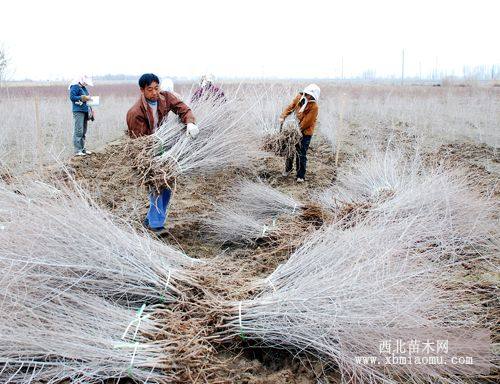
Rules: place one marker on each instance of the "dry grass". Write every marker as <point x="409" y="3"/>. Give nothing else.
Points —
<point x="27" y="143"/>
<point x="429" y="114"/>
<point x="354" y="265"/>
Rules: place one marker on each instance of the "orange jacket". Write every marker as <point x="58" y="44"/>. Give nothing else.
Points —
<point x="140" y="116"/>
<point x="307" y="118"/>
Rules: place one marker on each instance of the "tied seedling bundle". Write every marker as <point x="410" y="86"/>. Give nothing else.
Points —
<point x="284" y="142"/>
<point x="250" y="212"/>
<point x="442" y="203"/>
<point x="256" y="211"/>
<point x="72" y="242"/>
<point x="344" y="290"/>
<point x="226" y="139"/>
<point x="51" y="334"/>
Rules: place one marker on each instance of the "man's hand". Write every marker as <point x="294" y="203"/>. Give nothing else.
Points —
<point x="192" y="130"/>
<point x="85" y="98"/>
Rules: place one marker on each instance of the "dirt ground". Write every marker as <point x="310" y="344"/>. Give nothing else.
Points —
<point x="109" y="176"/>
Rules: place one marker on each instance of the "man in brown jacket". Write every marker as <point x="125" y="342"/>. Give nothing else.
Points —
<point x="153" y="106"/>
<point x="143" y="118"/>
<point x="305" y="106"/>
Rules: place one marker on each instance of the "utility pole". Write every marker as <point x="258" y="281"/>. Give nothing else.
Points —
<point x="436" y="68"/>
<point x="342" y="67"/>
<point x="402" y="67"/>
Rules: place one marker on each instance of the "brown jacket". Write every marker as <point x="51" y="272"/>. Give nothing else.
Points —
<point x="140" y="118"/>
<point x="307" y="118"/>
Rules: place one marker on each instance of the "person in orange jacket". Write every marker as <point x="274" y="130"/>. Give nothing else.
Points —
<point x="305" y="106"/>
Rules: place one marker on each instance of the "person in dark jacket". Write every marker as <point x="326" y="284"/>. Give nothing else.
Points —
<point x="143" y="118"/>
<point x="82" y="113"/>
<point x="208" y="91"/>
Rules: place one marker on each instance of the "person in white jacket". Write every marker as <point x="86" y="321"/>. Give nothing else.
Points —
<point x="167" y="85"/>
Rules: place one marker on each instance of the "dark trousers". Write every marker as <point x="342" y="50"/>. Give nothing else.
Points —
<point x="300" y="158"/>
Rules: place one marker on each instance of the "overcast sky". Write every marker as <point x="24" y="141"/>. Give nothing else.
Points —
<point x="56" y="39"/>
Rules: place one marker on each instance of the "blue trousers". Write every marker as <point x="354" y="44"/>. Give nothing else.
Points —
<point x="158" y="205"/>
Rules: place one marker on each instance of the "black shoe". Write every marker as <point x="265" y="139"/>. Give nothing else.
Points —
<point x="158" y="230"/>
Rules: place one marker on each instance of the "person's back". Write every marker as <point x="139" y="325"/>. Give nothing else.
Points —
<point x="167" y="85"/>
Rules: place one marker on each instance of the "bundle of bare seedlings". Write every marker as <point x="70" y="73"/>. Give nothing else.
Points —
<point x="345" y="291"/>
<point x="372" y="178"/>
<point x="51" y="335"/>
<point x="225" y="139"/>
<point x="233" y="223"/>
<point x="284" y="142"/>
<point x="254" y="211"/>
<point x="262" y="200"/>
<point x="393" y="187"/>
<point x="57" y="233"/>
<point x="143" y="152"/>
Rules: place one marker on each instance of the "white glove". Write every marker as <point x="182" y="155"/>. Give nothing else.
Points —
<point x="192" y="130"/>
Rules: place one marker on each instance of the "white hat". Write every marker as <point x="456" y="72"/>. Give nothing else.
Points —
<point x="167" y="84"/>
<point x="86" y="80"/>
<point x="313" y="90"/>
<point x="207" y="78"/>
<point x="82" y="79"/>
